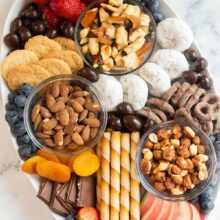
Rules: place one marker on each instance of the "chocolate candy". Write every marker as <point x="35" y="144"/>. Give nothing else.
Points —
<point x="24" y="34"/>
<point x="32" y="13"/>
<point x="38" y="27"/>
<point x="27" y="7"/>
<point x="201" y="64"/>
<point x="68" y="29"/>
<point x="12" y="40"/>
<point x="149" y="124"/>
<point x="132" y="123"/>
<point x="116" y="124"/>
<point x="51" y="33"/>
<point x="205" y="82"/>
<point x="16" y="24"/>
<point x="190" y="55"/>
<point x="190" y="76"/>
<point x="89" y="74"/>
<point x="125" y="109"/>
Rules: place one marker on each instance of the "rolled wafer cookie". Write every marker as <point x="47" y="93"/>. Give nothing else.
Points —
<point x="105" y="173"/>
<point x="115" y="175"/>
<point x="135" y="184"/>
<point x="98" y="176"/>
<point x="125" y="177"/>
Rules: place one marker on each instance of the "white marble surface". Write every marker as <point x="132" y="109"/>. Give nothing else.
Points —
<point x="17" y="197"/>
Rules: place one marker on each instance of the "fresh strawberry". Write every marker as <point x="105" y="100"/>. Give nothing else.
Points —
<point x="69" y="9"/>
<point x="88" y="213"/>
<point x="41" y="2"/>
<point x="50" y="17"/>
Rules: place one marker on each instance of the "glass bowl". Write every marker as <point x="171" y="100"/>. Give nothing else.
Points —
<point x="189" y="194"/>
<point x="41" y="90"/>
<point x="146" y="55"/>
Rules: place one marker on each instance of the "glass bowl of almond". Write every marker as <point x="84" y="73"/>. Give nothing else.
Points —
<point x="115" y="36"/>
<point x="65" y="114"/>
<point x="175" y="160"/>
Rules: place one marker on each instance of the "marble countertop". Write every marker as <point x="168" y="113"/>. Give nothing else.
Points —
<point x="18" y="200"/>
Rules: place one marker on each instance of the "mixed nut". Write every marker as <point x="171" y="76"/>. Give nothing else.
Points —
<point x="66" y="117"/>
<point x="174" y="159"/>
<point x="114" y="35"/>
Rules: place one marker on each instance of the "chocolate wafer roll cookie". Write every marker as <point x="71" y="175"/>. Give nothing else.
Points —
<point x="135" y="184"/>
<point x="115" y="175"/>
<point x="105" y="175"/>
<point x="98" y="176"/>
<point x="125" y="177"/>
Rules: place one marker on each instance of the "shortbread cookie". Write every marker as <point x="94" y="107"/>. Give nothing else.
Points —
<point x="31" y="74"/>
<point x="174" y="33"/>
<point x="42" y="45"/>
<point x="72" y="58"/>
<point x="66" y="43"/>
<point x="55" y="66"/>
<point x="16" y="58"/>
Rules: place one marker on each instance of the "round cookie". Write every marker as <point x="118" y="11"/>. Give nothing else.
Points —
<point x="66" y="43"/>
<point x="16" y="58"/>
<point x="72" y="58"/>
<point x="174" y="33"/>
<point x="31" y="74"/>
<point x="172" y="61"/>
<point x="55" y="66"/>
<point x="157" y="79"/>
<point x="42" y="45"/>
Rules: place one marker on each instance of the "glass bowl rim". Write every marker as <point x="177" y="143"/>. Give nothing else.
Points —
<point x="98" y="70"/>
<point x="47" y="82"/>
<point x="150" y="188"/>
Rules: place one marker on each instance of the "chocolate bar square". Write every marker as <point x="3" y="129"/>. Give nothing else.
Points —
<point x="72" y="190"/>
<point x="45" y="191"/>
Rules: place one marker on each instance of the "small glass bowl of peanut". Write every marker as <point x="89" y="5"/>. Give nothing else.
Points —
<point x="175" y="160"/>
<point x="115" y="36"/>
<point x="65" y="114"/>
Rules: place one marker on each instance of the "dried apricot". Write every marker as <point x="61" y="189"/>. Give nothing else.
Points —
<point x="86" y="164"/>
<point x="64" y="160"/>
<point x="48" y="155"/>
<point x="54" y="171"/>
<point x="29" y="166"/>
<point x="70" y="164"/>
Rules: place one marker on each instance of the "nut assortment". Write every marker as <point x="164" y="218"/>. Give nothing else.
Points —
<point x="115" y="35"/>
<point x="174" y="159"/>
<point x="66" y="117"/>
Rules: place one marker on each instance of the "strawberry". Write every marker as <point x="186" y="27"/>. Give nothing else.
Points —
<point x="88" y="213"/>
<point x="69" y="9"/>
<point x="50" y="17"/>
<point x="41" y="2"/>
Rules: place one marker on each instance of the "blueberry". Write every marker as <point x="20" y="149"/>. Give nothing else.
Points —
<point x="158" y="17"/>
<point x="20" y="100"/>
<point x="11" y="117"/>
<point x="34" y="148"/>
<point x="25" y="90"/>
<point x="217" y="136"/>
<point x="195" y="200"/>
<point x="12" y="96"/>
<point x="214" y="180"/>
<point x="25" y="139"/>
<point x="70" y="217"/>
<point x="207" y="206"/>
<point x="212" y="138"/>
<point x="19" y="129"/>
<point x="21" y="115"/>
<point x="10" y="106"/>
<point x="25" y="152"/>
<point x="206" y="194"/>
<point x="153" y="7"/>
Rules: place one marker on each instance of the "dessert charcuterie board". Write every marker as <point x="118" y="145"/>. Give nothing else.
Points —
<point x="120" y="144"/>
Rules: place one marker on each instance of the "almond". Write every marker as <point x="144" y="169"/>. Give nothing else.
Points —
<point x="80" y="94"/>
<point x="91" y="115"/>
<point x="64" y="90"/>
<point x="92" y="122"/>
<point x="70" y="128"/>
<point x="67" y="139"/>
<point x="63" y="99"/>
<point x="93" y="107"/>
<point x="49" y="124"/>
<point x="42" y="135"/>
<point x="59" y="127"/>
<point x="93" y="132"/>
<point x="49" y="142"/>
<point x="50" y="132"/>
<point x="58" y="138"/>
<point x="64" y="117"/>
<point x="40" y="126"/>
<point x="37" y="121"/>
<point x="55" y="90"/>
<point x="79" y="128"/>
<point x="57" y="107"/>
<point x="77" y="88"/>
<point x="35" y="112"/>
<point x="77" y="139"/>
<point x="83" y="115"/>
<point x="72" y="146"/>
<point x="45" y="112"/>
<point x="70" y="89"/>
<point x="80" y="100"/>
<point x="73" y="115"/>
<point x="86" y="134"/>
<point x="50" y="100"/>
<point x="88" y="100"/>
<point x="77" y="107"/>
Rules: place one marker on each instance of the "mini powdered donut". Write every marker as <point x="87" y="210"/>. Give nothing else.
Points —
<point x="174" y="33"/>
<point x="111" y="91"/>
<point x="172" y="61"/>
<point x="135" y="90"/>
<point x="157" y="79"/>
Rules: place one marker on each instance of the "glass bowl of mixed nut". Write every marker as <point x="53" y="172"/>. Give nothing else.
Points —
<point x="115" y="36"/>
<point x="65" y="114"/>
<point x="175" y="160"/>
